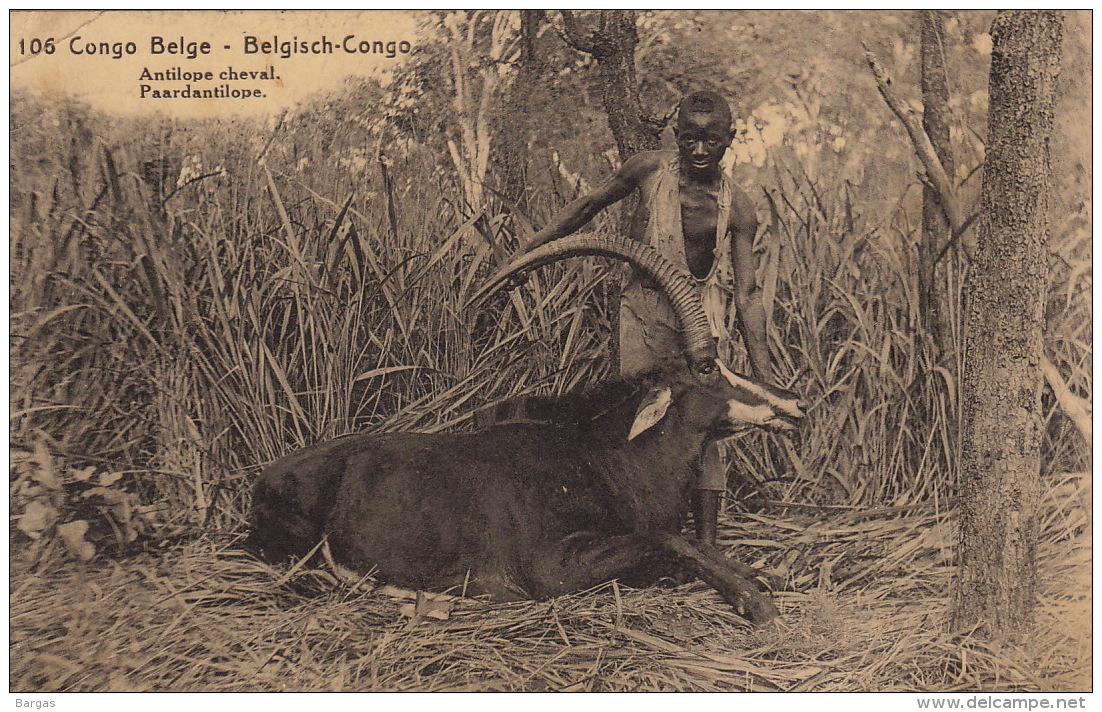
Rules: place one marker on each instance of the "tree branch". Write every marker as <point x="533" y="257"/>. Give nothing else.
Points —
<point x="968" y="246"/>
<point x="935" y="172"/>
<point x="1074" y="407"/>
<point x="572" y="34"/>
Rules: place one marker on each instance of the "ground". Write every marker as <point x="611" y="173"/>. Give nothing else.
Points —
<point x="869" y="611"/>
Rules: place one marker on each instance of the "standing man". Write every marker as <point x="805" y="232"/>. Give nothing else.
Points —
<point x="692" y="213"/>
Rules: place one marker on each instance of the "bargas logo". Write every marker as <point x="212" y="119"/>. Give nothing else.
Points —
<point x="34" y="704"/>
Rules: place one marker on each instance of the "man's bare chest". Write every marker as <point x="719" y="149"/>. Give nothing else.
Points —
<point x="698" y="207"/>
<point x="699" y="213"/>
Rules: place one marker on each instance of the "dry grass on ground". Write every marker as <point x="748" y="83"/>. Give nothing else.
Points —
<point x="870" y="614"/>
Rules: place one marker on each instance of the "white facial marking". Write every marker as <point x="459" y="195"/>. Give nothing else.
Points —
<point x="788" y="406"/>
<point x="739" y="412"/>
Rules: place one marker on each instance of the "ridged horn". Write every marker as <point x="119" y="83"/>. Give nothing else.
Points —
<point x="674" y="281"/>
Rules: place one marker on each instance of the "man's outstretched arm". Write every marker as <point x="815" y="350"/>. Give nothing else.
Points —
<point x="579" y="212"/>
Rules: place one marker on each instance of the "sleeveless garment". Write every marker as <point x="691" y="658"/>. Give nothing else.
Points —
<point x="648" y="328"/>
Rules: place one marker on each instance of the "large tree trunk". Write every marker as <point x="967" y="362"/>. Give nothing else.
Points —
<point x="935" y="121"/>
<point x="612" y="44"/>
<point x="1001" y="437"/>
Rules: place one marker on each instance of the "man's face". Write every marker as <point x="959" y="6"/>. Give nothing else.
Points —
<point x="701" y="140"/>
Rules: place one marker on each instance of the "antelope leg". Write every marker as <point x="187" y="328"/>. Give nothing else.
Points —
<point x="748" y="602"/>
<point x="765" y="581"/>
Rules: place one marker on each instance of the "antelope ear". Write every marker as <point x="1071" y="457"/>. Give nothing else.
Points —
<point x="651" y="410"/>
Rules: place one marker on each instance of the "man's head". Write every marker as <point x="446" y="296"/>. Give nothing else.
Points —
<point x="703" y="131"/>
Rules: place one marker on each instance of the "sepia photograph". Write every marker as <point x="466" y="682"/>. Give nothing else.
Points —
<point x="532" y="351"/>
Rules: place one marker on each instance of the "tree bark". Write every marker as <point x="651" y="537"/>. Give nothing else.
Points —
<point x="1002" y="425"/>
<point x="935" y="121"/>
<point x="613" y="46"/>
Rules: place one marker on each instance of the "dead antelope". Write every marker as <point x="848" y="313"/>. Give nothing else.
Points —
<point x="593" y="487"/>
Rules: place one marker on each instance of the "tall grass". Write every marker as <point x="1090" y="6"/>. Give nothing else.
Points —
<point x="184" y="328"/>
<point x="186" y="342"/>
<point x="845" y="328"/>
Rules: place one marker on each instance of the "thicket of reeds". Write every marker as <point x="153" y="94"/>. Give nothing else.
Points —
<point x="184" y="311"/>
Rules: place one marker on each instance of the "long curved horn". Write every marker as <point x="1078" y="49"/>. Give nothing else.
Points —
<point x="674" y="281"/>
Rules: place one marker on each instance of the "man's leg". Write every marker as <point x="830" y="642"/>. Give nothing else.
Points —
<point x="711" y="482"/>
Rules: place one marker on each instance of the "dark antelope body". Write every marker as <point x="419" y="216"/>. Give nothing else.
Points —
<point x="593" y="488"/>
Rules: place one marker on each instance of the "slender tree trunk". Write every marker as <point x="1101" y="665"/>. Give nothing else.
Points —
<point x="935" y="121"/>
<point x="1001" y="435"/>
<point x="515" y="131"/>
<point x="476" y="98"/>
<point x="620" y="89"/>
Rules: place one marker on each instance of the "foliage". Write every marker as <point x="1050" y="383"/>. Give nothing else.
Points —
<point x="84" y="509"/>
<point x="193" y="338"/>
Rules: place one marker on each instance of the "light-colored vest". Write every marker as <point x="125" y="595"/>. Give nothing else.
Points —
<point x="648" y="329"/>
